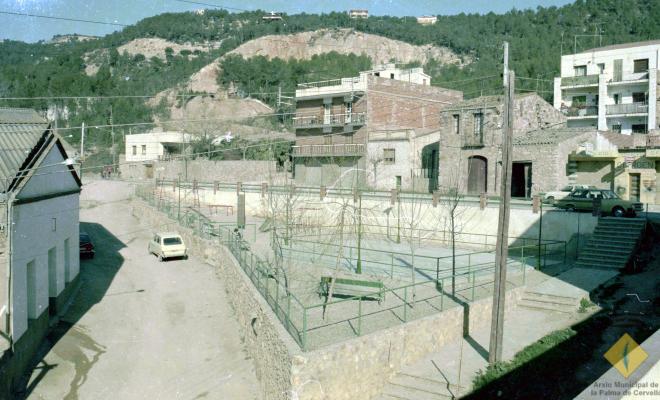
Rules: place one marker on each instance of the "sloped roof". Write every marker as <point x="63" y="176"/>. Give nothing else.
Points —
<point x="550" y="136"/>
<point x="21" y="130"/>
<point x="485" y="101"/>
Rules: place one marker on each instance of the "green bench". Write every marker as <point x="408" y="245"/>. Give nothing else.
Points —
<point x="374" y="290"/>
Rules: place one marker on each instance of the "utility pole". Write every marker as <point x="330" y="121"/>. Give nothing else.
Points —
<point x="506" y="64"/>
<point x="502" y="247"/>
<point x="359" y="235"/>
<point x="112" y="133"/>
<point x="82" y="147"/>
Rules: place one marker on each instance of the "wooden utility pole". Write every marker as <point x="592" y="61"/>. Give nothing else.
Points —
<point x="502" y="247"/>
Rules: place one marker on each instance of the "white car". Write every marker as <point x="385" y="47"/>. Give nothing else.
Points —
<point x="168" y="245"/>
<point x="555" y="195"/>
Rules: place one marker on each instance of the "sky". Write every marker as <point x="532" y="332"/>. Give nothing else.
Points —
<point x="32" y="29"/>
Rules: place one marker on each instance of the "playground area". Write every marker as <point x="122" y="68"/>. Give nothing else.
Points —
<point x="329" y="283"/>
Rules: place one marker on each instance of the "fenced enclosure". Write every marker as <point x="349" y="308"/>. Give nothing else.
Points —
<point x="412" y="285"/>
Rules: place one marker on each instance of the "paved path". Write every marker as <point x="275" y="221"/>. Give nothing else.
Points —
<point x="139" y="328"/>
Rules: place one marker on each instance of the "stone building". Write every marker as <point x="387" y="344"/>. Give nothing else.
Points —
<point x="471" y="139"/>
<point x="335" y="119"/>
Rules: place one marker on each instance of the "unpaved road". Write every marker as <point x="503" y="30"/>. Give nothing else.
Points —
<point x="140" y="329"/>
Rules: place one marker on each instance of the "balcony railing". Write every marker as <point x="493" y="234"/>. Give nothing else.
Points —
<point x="631" y="78"/>
<point x="329" y="150"/>
<point x="580" y="80"/>
<point x="653" y="141"/>
<point x="580" y="111"/>
<point x="473" y="140"/>
<point x="313" y="121"/>
<point x="630" y="108"/>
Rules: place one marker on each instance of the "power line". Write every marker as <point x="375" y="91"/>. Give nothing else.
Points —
<point x="62" y="18"/>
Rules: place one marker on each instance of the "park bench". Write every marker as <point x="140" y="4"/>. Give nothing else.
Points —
<point x="374" y="290"/>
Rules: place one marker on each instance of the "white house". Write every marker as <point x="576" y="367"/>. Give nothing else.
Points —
<point x="358" y="13"/>
<point x="427" y="20"/>
<point x="39" y="236"/>
<point x="611" y="88"/>
<point x="154" y="146"/>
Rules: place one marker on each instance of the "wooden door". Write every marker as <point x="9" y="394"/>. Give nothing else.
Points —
<point x="634" y="187"/>
<point x="618" y="71"/>
<point x="477" y="175"/>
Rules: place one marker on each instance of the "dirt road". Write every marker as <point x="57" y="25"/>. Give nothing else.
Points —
<point x="140" y="328"/>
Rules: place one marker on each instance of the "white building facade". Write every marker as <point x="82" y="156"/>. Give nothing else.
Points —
<point x="611" y="88"/>
<point x="154" y="146"/>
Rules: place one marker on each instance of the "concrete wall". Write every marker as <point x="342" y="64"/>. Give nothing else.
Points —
<point x="37" y="228"/>
<point x="207" y="171"/>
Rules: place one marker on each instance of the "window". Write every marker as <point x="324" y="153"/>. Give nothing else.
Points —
<point x="134" y="150"/>
<point x="391" y="76"/>
<point x="168" y="241"/>
<point x="601" y="68"/>
<point x="641" y="65"/>
<point x="617" y="98"/>
<point x="398" y="182"/>
<point x="457" y="123"/>
<point x="579" y="101"/>
<point x="377" y="74"/>
<point x="326" y="114"/>
<point x="580" y="70"/>
<point x="616" y="128"/>
<point x="389" y="156"/>
<point x="478" y="124"/>
<point x="327" y="139"/>
<point x="639" y="97"/>
<point x="639" y="128"/>
<point x="144" y="149"/>
<point x="349" y="112"/>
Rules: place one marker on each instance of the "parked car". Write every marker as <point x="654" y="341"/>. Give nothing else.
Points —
<point x="554" y="195"/>
<point x="611" y="203"/>
<point x="86" y="245"/>
<point x="168" y="245"/>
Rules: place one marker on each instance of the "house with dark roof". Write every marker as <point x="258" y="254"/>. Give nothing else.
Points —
<point x="39" y="235"/>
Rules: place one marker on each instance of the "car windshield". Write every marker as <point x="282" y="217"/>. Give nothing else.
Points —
<point x="171" y="240"/>
<point x="84" y="237"/>
<point x="566" y="189"/>
<point x="608" y="194"/>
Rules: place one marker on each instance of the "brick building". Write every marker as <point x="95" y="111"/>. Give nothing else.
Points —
<point x="334" y="119"/>
<point x="471" y="139"/>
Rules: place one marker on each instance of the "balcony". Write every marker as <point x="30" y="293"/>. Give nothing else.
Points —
<point x="635" y="78"/>
<point x="574" y="81"/>
<point x="580" y="111"/>
<point x="475" y="140"/>
<point x="331" y="87"/>
<point x="329" y="150"/>
<point x="625" y="109"/>
<point x="318" y="121"/>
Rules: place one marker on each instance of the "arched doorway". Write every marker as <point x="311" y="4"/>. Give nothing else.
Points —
<point x="477" y="175"/>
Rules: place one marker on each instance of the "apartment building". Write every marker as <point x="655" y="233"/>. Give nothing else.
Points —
<point x="612" y="88"/>
<point x="334" y="119"/>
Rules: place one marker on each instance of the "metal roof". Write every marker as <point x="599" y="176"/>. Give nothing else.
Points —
<point x="21" y="130"/>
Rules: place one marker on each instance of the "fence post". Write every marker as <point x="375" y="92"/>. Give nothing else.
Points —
<point x="469" y="266"/>
<point x="392" y="265"/>
<point x="288" y="308"/>
<point x="304" y="333"/>
<point x="545" y="255"/>
<point x="359" y="316"/>
<point x="473" y="284"/>
<point x="442" y="294"/>
<point x="405" y="304"/>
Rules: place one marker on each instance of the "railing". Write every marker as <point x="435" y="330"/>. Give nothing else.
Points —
<point x="630" y="108"/>
<point x="349" y="149"/>
<point x="330" y="82"/>
<point x="653" y="141"/>
<point x="631" y="78"/>
<point x="306" y="121"/>
<point x="580" y="80"/>
<point x="580" y="111"/>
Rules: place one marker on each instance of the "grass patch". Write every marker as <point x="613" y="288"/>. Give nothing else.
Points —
<point x="497" y="370"/>
<point x="585" y="304"/>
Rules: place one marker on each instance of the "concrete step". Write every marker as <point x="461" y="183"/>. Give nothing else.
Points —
<point x="402" y="392"/>
<point x="541" y="306"/>
<point x="598" y="265"/>
<point x="547" y="305"/>
<point x="616" y="231"/>
<point x="552" y="298"/>
<point x="611" y="244"/>
<point x="604" y="253"/>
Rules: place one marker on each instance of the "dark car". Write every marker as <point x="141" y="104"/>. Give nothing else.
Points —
<point x="86" y="245"/>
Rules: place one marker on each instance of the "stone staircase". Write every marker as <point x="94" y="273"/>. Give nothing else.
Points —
<point x="405" y="386"/>
<point x="612" y="244"/>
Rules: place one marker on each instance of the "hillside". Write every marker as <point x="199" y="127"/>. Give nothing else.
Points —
<point x="171" y="53"/>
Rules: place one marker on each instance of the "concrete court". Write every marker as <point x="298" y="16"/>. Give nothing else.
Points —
<point x="139" y="328"/>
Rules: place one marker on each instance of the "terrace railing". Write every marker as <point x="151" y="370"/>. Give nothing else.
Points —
<point x="629" y="108"/>
<point x="580" y="80"/>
